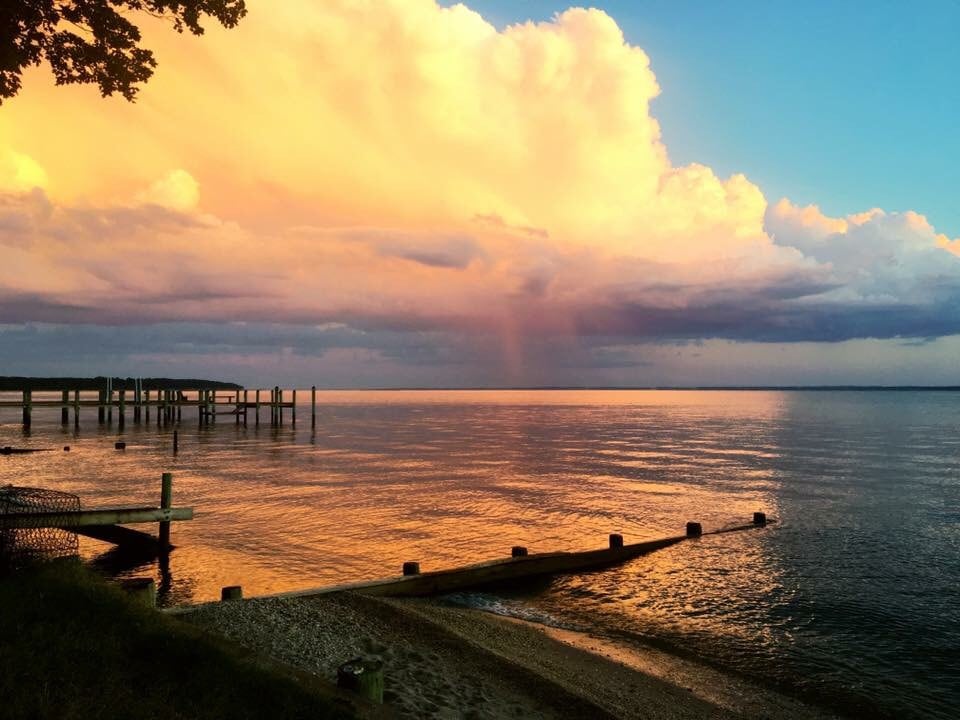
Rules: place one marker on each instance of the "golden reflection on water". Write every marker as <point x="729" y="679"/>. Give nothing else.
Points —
<point x="445" y="477"/>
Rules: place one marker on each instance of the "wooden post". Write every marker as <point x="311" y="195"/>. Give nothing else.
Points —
<point x="245" y="399"/>
<point x="27" y="407"/>
<point x="142" y="590"/>
<point x="518" y="551"/>
<point x="411" y="568"/>
<point x="616" y="540"/>
<point x="759" y="518"/>
<point x="231" y="592"/>
<point x="110" y="399"/>
<point x="363" y="677"/>
<point x="180" y="397"/>
<point x="122" y="407"/>
<point x="694" y="529"/>
<point x="313" y="406"/>
<point x="279" y="399"/>
<point x="257" y="410"/>
<point x="65" y="407"/>
<point x="176" y="443"/>
<point x="101" y="410"/>
<point x="76" y="409"/>
<point x="146" y="406"/>
<point x="166" y="501"/>
<point x="213" y="405"/>
<point x="136" y="400"/>
<point x="293" y="408"/>
<point x="236" y="406"/>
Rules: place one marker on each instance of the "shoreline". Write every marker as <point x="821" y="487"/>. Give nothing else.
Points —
<point x="450" y="662"/>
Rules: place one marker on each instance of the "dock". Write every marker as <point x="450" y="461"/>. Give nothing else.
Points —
<point x="31" y="511"/>
<point x="139" y="398"/>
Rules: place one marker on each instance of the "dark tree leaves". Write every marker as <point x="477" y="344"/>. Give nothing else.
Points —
<point x="92" y="41"/>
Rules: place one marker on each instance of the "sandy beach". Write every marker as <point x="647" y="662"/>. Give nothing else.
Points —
<point x="448" y="662"/>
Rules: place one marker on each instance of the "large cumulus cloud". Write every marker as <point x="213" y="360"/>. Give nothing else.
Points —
<point x="397" y="166"/>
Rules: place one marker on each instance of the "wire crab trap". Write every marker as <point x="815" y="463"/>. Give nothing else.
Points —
<point x="21" y="546"/>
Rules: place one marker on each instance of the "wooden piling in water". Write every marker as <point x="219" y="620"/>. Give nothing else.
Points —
<point x="293" y="407"/>
<point x="65" y="408"/>
<point x="122" y="407"/>
<point x="176" y="442"/>
<point x="27" y="408"/>
<point x="166" y="502"/>
<point x="231" y="592"/>
<point x="257" y="410"/>
<point x="76" y="409"/>
<point x="313" y="406"/>
<point x="101" y="408"/>
<point x="694" y="529"/>
<point x="411" y="567"/>
<point x="109" y="400"/>
<point x="616" y="540"/>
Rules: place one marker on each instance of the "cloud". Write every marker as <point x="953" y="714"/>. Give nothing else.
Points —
<point x="401" y="167"/>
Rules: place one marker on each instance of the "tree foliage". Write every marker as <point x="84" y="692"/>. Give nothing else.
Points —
<point x="93" y="41"/>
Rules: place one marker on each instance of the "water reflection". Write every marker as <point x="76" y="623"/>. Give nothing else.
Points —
<point x="854" y="592"/>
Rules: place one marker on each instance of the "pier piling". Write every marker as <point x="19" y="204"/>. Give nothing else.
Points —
<point x="518" y="551"/>
<point x="166" y="502"/>
<point x="616" y="540"/>
<point x="694" y="529"/>
<point x="27" y="408"/>
<point x="363" y="677"/>
<point x="411" y="568"/>
<point x="65" y="408"/>
<point x="231" y="592"/>
<point x="313" y="406"/>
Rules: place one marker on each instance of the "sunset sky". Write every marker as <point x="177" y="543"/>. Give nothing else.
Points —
<point x="406" y="193"/>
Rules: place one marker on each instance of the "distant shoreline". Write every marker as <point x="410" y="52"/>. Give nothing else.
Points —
<point x="717" y="388"/>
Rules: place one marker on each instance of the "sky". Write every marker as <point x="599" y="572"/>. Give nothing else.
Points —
<point x="381" y="193"/>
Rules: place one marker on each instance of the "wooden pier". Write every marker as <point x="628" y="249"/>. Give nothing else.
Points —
<point x="107" y="523"/>
<point x="165" y="399"/>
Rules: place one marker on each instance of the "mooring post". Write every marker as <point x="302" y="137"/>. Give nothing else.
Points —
<point x="146" y="406"/>
<point x="27" y="407"/>
<point x="236" y="406"/>
<point x="616" y="540"/>
<point x="213" y="405"/>
<point x="180" y="397"/>
<point x="313" y="406"/>
<point x="694" y="529"/>
<point x="411" y="567"/>
<point x="245" y="398"/>
<point x="363" y="677"/>
<point x="759" y="518"/>
<point x="293" y="407"/>
<point x="76" y="409"/>
<point x="256" y="420"/>
<point x="142" y="590"/>
<point x="176" y="443"/>
<point x="65" y="407"/>
<point x="279" y="393"/>
<point x="101" y="399"/>
<point x="231" y="592"/>
<point x="110" y="399"/>
<point x="166" y="502"/>
<point x="518" y="551"/>
<point x="122" y="407"/>
<point x="136" y="400"/>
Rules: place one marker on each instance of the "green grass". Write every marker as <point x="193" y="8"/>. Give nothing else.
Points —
<point x="73" y="646"/>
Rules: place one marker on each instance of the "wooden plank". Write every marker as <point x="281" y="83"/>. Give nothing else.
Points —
<point x="95" y="516"/>
<point x="119" y="535"/>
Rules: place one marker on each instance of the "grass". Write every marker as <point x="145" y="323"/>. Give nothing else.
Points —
<point x="73" y="646"/>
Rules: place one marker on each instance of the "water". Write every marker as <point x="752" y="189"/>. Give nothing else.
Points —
<point x="852" y="598"/>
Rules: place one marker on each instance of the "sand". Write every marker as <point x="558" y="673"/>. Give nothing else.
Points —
<point x="445" y="662"/>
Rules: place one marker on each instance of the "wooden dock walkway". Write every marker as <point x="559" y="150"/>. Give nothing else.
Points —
<point x="165" y="399"/>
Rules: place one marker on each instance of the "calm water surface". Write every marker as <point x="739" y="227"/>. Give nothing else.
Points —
<point x="853" y="598"/>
